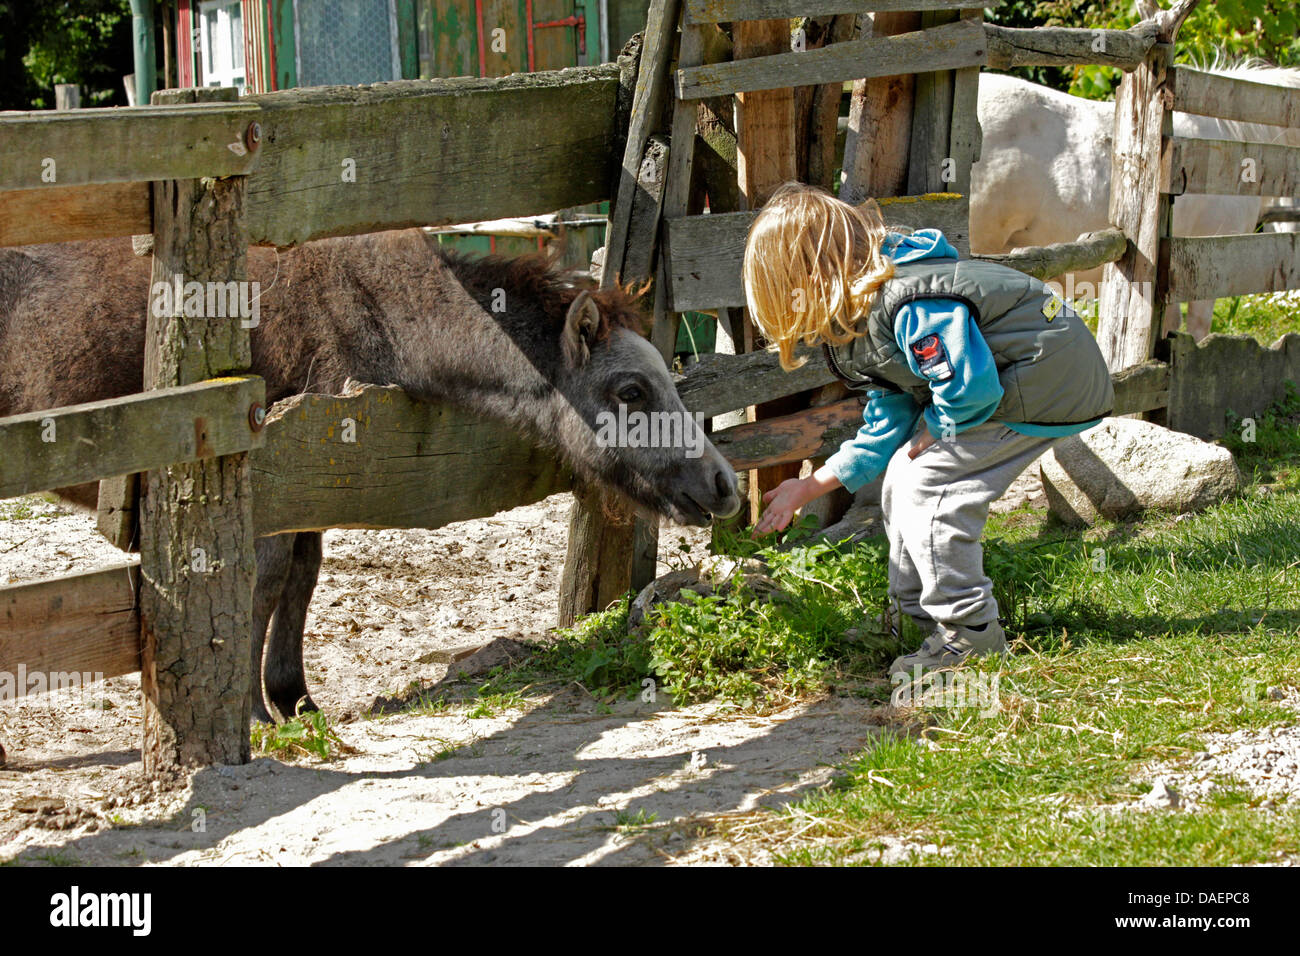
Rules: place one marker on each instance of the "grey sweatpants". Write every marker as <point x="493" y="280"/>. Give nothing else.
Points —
<point x="935" y="507"/>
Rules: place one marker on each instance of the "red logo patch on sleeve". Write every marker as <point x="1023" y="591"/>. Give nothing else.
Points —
<point x="931" y="358"/>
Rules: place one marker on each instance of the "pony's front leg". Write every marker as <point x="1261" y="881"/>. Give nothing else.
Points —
<point x="274" y="556"/>
<point x="286" y="683"/>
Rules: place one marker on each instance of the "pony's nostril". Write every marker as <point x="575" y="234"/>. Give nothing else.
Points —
<point x="724" y="483"/>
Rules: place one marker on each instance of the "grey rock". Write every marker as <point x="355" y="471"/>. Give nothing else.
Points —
<point x="713" y="575"/>
<point x="1124" y="467"/>
<point x="863" y="520"/>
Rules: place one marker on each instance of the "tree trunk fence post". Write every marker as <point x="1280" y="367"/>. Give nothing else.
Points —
<point x="196" y="522"/>
<point x="610" y="549"/>
<point x="1132" y="303"/>
<point x="1131" y="307"/>
<point x="766" y="156"/>
<point x="880" y="122"/>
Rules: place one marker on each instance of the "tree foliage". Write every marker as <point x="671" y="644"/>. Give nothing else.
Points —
<point x="1232" y="29"/>
<point x="87" y="42"/>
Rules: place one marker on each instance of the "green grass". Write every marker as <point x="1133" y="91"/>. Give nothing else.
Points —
<point x="16" y="509"/>
<point x="1267" y="449"/>
<point x="627" y="821"/>
<point x="1265" y="317"/>
<point x="57" y="858"/>
<point x="749" y="650"/>
<point x="1132" y="642"/>
<point x="1037" y="782"/>
<point x="308" y="734"/>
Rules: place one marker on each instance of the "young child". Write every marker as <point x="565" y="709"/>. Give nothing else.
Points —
<point x="979" y="365"/>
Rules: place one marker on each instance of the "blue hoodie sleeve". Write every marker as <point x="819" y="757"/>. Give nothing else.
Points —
<point x="888" y="421"/>
<point x="943" y="345"/>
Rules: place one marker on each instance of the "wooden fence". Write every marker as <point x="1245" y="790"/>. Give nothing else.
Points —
<point x="206" y="176"/>
<point x="1151" y="167"/>
<point x="278" y="157"/>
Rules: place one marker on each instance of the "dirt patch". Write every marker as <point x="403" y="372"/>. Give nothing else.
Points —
<point x="1264" y="762"/>
<point x="1025" y="491"/>
<point x="565" y="780"/>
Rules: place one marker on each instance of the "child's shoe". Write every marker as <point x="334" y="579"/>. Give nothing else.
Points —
<point x="950" y="645"/>
<point x="907" y="629"/>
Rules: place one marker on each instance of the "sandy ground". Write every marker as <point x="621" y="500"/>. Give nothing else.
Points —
<point x="546" y="784"/>
<point x="1265" y="763"/>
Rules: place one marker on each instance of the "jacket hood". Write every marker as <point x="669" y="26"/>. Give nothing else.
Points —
<point x="921" y="244"/>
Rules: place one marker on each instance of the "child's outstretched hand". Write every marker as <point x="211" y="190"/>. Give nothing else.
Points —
<point x="782" y="502"/>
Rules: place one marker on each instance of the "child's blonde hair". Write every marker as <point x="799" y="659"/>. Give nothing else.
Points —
<point x="813" y="267"/>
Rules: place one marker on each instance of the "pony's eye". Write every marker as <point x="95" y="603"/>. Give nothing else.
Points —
<point x="630" y="394"/>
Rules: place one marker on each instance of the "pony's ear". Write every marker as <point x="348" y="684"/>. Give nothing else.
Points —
<point x="580" y="326"/>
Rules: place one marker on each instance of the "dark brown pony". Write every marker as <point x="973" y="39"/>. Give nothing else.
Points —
<point x="514" y="338"/>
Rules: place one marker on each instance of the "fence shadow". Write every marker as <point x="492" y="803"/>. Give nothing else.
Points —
<point x="1269" y="549"/>
<point x="584" y="778"/>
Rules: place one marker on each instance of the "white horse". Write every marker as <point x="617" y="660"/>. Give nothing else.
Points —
<point x="1044" y="172"/>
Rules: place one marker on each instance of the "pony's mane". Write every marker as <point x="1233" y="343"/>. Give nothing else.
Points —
<point x="535" y="277"/>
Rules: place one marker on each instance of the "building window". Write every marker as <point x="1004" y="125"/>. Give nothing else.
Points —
<point x="346" y="44"/>
<point x="221" y="42"/>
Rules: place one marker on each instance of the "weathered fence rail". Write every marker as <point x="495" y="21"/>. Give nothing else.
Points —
<point x="345" y="160"/>
<point x="1234" y="98"/>
<point x="1231" y="168"/>
<point x="947" y="47"/>
<point x="1223" y="373"/>
<point x="130" y="144"/>
<point x="322" y="162"/>
<point x="1212" y="267"/>
<point x="705" y="253"/>
<point x="69" y="213"/>
<point x="397" y="463"/>
<point x="75" y="624"/>
<point x="81" y="443"/>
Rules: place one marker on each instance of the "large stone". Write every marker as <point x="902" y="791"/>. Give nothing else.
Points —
<point x="714" y="575"/>
<point x="1124" y="467"/>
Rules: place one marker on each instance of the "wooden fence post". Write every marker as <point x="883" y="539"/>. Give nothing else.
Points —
<point x="196" y="521"/>
<point x="610" y="552"/>
<point x="67" y="96"/>
<point x="880" y="123"/>
<point x="765" y="158"/>
<point x="1132" y="301"/>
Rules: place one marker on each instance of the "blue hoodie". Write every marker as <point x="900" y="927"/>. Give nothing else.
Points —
<point x="967" y="398"/>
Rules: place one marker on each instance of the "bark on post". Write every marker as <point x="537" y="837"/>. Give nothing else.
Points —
<point x="67" y="96"/>
<point x="1131" y="305"/>
<point x="610" y="550"/>
<point x="876" y="152"/>
<point x="880" y="123"/>
<point x="602" y="544"/>
<point x="196" y="520"/>
<point x="818" y="107"/>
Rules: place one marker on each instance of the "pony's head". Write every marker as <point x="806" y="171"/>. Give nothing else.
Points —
<point x="604" y="398"/>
